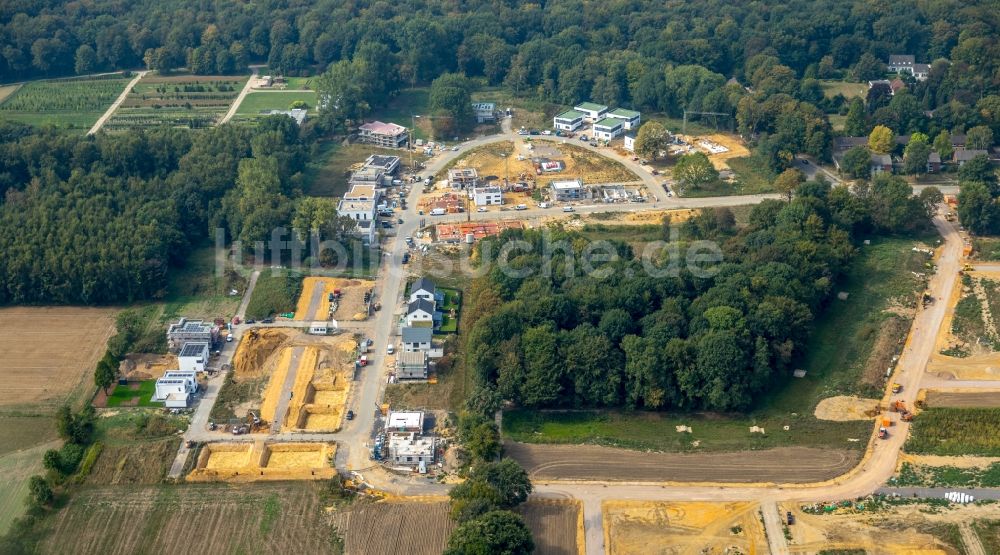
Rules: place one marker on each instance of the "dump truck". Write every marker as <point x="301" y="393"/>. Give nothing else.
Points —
<point x="886" y="422"/>
<point x="906" y="416"/>
<point x="898" y="406"/>
<point x="896" y="388"/>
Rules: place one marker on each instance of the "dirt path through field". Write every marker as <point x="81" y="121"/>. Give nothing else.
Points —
<point x="971" y="540"/>
<point x="239" y="99"/>
<point x="118" y="102"/>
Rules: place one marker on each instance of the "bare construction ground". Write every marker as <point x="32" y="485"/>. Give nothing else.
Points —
<point x="556" y="525"/>
<point x="314" y="304"/>
<point x="641" y="527"/>
<point x="394" y="528"/>
<point x="594" y="462"/>
<point x="49" y="354"/>
<point x="258" y="461"/>
<point x="192" y="518"/>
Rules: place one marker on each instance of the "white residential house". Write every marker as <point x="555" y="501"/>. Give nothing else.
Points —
<point x="404" y="422"/>
<point x="420" y="313"/>
<point x="412" y="450"/>
<point x="629" y="138"/>
<point x="567" y="190"/>
<point x="190" y="331"/>
<point x="463" y="178"/>
<point x="175" y="388"/>
<point x="370" y="175"/>
<point x="365" y="230"/>
<point x="411" y="366"/>
<point x="417" y="339"/>
<point x="484" y="111"/>
<point x="423" y="288"/>
<point x="193" y="357"/>
<point x="363" y="192"/>
<point x="608" y="128"/>
<point x="591" y="111"/>
<point x="570" y="120"/>
<point x="921" y="71"/>
<point x="388" y="164"/>
<point x="899" y="63"/>
<point x="630" y="118"/>
<point x="487" y="196"/>
<point x="387" y="135"/>
<point x="357" y="210"/>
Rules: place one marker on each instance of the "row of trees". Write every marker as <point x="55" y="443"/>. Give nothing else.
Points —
<point x="625" y="338"/>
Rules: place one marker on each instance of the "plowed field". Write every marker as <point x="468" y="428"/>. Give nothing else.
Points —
<point x="408" y="528"/>
<point x="593" y="462"/>
<point x="199" y="518"/>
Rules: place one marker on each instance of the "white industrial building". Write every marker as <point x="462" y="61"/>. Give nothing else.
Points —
<point x="175" y="388"/>
<point x="608" y="128"/>
<point x="591" y="111"/>
<point x="630" y="118"/>
<point x="487" y="196"/>
<point x="193" y="357"/>
<point x="570" y="120"/>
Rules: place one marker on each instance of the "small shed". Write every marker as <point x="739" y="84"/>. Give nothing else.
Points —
<point x="319" y="328"/>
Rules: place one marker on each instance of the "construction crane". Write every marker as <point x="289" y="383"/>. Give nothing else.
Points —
<point x="686" y="112"/>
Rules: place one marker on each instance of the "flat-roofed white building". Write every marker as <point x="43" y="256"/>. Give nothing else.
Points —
<point x="463" y="178"/>
<point x="629" y="139"/>
<point x="487" y="196"/>
<point x="190" y="331"/>
<point x="386" y="163"/>
<point x="570" y="120"/>
<point x="363" y="192"/>
<point x="193" y="357"/>
<point x="412" y="450"/>
<point x="484" y="111"/>
<point x="567" y="190"/>
<point x="357" y="210"/>
<point x="630" y="118"/>
<point x="608" y="128"/>
<point x="404" y="422"/>
<point x="591" y="111"/>
<point x="175" y="388"/>
<point x="370" y="176"/>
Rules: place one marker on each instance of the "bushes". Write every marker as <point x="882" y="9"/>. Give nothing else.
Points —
<point x="953" y="431"/>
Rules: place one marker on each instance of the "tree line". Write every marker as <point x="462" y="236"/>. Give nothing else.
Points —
<point x="625" y="339"/>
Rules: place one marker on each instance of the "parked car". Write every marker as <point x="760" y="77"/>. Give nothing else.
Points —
<point x="399" y="221"/>
<point x="267" y="321"/>
<point x="390" y="349"/>
<point x="350" y="415"/>
<point x="250" y="321"/>
<point x="406" y="258"/>
<point x="480" y="209"/>
<point x="567" y="208"/>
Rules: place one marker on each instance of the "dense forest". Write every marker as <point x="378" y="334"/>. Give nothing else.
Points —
<point x="617" y="337"/>
<point x="101" y="219"/>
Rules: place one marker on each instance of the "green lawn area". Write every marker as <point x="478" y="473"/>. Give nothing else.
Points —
<point x="751" y="179"/>
<point x="452" y="301"/>
<point x="837" y="122"/>
<point x="409" y="102"/>
<point x="256" y="102"/>
<point x="71" y="104"/>
<point x="954" y="431"/>
<point x="125" y="396"/>
<point x="276" y="292"/>
<point x="17" y="468"/>
<point x="298" y="83"/>
<point x="836" y="356"/>
<point x="832" y="88"/>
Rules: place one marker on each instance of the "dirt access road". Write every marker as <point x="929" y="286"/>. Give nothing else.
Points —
<point x="118" y="102"/>
<point x="243" y="94"/>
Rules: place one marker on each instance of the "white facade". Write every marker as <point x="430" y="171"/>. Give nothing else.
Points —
<point x="487" y="196"/>
<point x="608" y="128"/>
<point x="630" y="118"/>
<point x="357" y="210"/>
<point x="591" y="111"/>
<point x="411" y="449"/>
<point x="404" y="422"/>
<point x="419" y="316"/>
<point x="463" y="178"/>
<point x="319" y="328"/>
<point x="175" y="388"/>
<point x="484" y="111"/>
<point x="567" y="190"/>
<point x="193" y="357"/>
<point x="568" y="121"/>
<point x="629" y="139"/>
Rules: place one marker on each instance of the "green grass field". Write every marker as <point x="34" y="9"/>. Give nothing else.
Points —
<point x="989" y="534"/>
<point x="836" y="356"/>
<point x="947" y="476"/>
<point x="327" y="173"/>
<point x="125" y="396"/>
<point x="16" y="468"/>
<point x="276" y="292"/>
<point x="191" y="101"/>
<point x="953" y="431"/>
<point x="72" y="104"/>
<point x="751" y="179"/>
<point x="409" y="102"/>
<point x="986" y="248"/>
<point x="256" y="102"/>
<point x="832" y="88"/>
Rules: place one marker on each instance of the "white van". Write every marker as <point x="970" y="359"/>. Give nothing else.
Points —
<point x="543" y="205"/>
<point x="521" y="207"/>
<point x="438" y="212"/>
<point x="567" y="208"/>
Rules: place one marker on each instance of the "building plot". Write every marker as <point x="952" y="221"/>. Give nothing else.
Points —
<point x="327" y="298"/>
<point x="260" y="461"/>
<point x="694" y="527"/>
<point x="968" y="344"/>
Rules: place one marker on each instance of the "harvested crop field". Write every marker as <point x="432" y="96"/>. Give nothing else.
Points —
<point x="50" y="353"/>
<point x="594" y="462"/>
<point x="637" y="526"/>
<point x="556" y="525"/>
<point x="390" y="528"/>
<point x="193" y="518"/>
<point x="137" y="463"/>
<point x="962" y="399"/>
